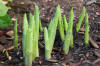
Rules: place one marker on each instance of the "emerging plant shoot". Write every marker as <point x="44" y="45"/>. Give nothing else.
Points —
<point x="49" y="35"/>
<point x="30" y="37"/>
<point x="15" y="36"/>
<point x="69" y="36"/>
<point x="80" y="19"/>
<point x="86" y="30"/>
<point x="61" y="26"/>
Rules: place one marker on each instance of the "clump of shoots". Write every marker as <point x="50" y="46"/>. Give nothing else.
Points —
<point x="80" y="19"/>
<point x="69" y="36"/>
<point x="86" y="30"/>
<point x="30" y="37"/>
<point x="50" y="33"/>
<point x="27" y="42"/>
<point x="15" y="36"/>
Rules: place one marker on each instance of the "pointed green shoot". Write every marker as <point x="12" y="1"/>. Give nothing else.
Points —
<point x="69" y="39"/>
<point x="29" y="45"/>
<point x="15" y="36"/>
<point x="70" y="25"/>
<point x="36" y="32"/>
<point x="25" y="27"/>
<point x="81" y="19"/>
<point x="61" y="26"/>
<point x="28" y="39"/>
<point x="41" y="29"/>
<point x="86" y="30"/>
<point x="49" y="35"/>
<point x="65" y="23"/>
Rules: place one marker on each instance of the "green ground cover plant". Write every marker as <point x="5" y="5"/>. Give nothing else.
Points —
<point x="5" y="20"/>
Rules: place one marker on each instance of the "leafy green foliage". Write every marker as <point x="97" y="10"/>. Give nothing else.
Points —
<point x="86" y="30"/>
<point x="49" y="35"/>
<point x="80" y="19"/>
<point x="5" y="21"/>
<point x="3" y="9"/>
<point x="15" y="35"/>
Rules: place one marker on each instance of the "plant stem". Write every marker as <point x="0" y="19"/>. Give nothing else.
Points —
<point x="86" y="30"/>
<point x="15" y="36"/>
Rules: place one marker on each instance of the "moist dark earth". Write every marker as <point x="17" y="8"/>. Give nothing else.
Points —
<point x="79" y="55"/>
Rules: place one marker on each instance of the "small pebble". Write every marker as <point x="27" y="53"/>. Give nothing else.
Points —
<point x="10" y="33"/>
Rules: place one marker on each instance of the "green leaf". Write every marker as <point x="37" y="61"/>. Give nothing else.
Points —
<point x="5" y="21"/>
<point x="3" y="9"/>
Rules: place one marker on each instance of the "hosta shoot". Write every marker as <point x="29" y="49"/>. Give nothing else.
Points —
<point x="69" y="36"/>
<point x="25" y="27"/>
<point x="15" y="35"/>
<point x="27" y="41"/>
<point x="86" y="30"/>
<point x="81" y="19"/>
<point x="50" y="33"/>
<point x="30" y="37"/>
<point x="36" y="31"/>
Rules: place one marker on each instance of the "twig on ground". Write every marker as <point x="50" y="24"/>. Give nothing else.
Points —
<point x="9" y="48"/>
<point x="94" y="44"/>
<point x="96" y="61"/>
